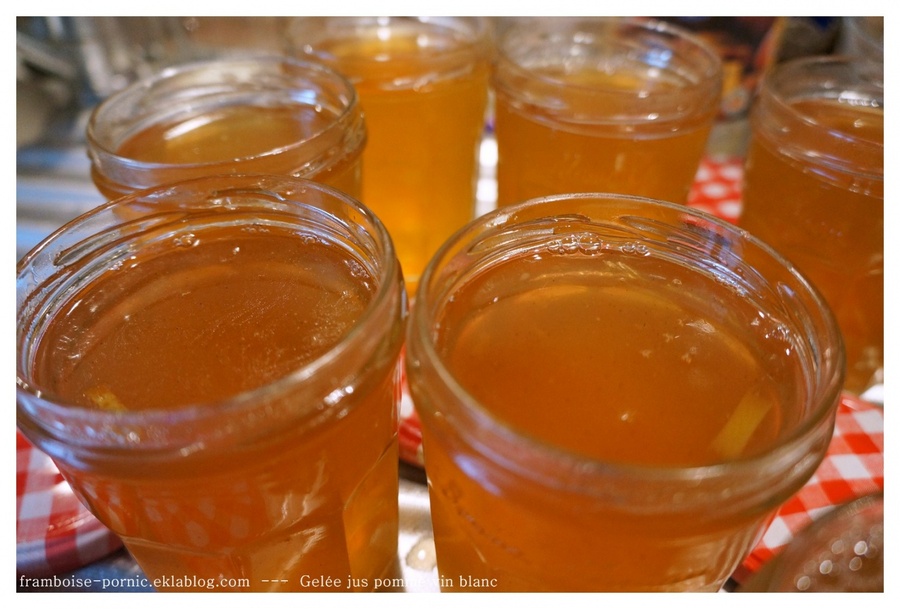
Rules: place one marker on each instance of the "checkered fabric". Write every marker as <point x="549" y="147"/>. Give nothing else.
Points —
<point x="54" y="532"/>
<point x="717" y="187"/>
<point x="853" y="467"/>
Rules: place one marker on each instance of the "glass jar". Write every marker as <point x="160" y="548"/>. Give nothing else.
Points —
<point x="263" y="115"/>
<point x="602" y="104"/>
<point x="841" y="551"/>
<point x="615" y="394"/>
<point x="814" y="190"/>
<point x="423" y="85"/>
<point x="212" y="365"/>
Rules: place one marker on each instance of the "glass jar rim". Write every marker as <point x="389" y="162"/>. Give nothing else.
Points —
<point x="474" y="37"/>
<point x="218" y="186"/>
<point x="476" y="28"/>
<point x="710" y="72"/>
<point x="836" y="153"/>
<point x="863" y="72"/>
<point x="699" y="99"/>
<point x="98" y="145"/>
<point x="820" y="417"/>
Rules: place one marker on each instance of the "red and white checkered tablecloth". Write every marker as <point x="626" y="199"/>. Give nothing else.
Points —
<point x="55" y="533"/>
<point x="717" y="187"/>
<point x="853" y="467"/>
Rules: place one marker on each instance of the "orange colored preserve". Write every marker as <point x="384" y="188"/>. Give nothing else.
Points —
<point x="600" y="409"/>
<point x="602" y="106"/>
<point x="542" y="152"/>
<point x="264" y="116"/>
<point x="207" y="316"/>
<point x="225" y="136"/>
<point x="540" y="354"/>
<point x="423" y="88"/>
<point x="823" y="208"/>
<point x="214" y="355"/>
<point x="629" y="370"/>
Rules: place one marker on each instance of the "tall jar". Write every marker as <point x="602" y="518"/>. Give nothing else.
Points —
<point x="814" y="190"/>
<point x="263" y="115"/>
<point x="423" y="86"/>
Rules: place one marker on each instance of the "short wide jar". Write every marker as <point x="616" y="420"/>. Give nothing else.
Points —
<point x="262" y="115"/>
<point x="602" y="105"/>
<point x="212" y="365"/>
<point x="615" y="394"/>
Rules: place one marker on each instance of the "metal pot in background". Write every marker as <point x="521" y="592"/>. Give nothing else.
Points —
<point x="73" y="62"/>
